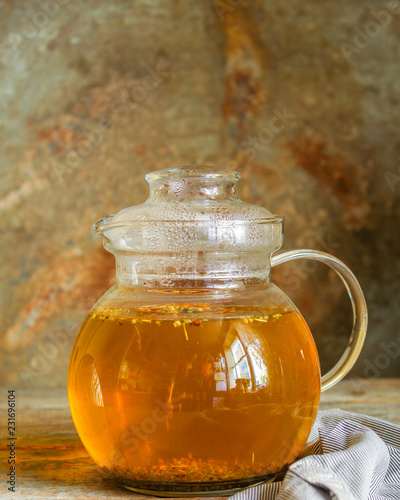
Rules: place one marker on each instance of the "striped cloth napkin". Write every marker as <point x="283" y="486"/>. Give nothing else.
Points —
<point x="348" y="457"/>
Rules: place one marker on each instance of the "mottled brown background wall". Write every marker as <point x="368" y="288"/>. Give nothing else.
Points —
<point x="301" y="97"/>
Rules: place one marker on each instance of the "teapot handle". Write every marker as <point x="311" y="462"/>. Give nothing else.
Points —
<point x="360" y="315"/>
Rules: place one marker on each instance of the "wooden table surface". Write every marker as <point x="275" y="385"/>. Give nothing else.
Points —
<point x="52" y="463"/>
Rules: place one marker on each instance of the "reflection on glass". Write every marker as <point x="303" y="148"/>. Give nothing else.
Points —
<point x="247" y="369"/>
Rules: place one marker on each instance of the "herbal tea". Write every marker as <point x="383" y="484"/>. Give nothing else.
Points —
<point x="174" y="398"/>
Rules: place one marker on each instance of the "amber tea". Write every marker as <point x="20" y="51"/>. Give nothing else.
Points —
<point x="175" y="398"/>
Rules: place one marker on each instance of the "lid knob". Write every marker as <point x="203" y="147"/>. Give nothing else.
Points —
<point x="192" y="183"/>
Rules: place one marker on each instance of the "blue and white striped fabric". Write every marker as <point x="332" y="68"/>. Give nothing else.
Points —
<point x="349" y="457"/>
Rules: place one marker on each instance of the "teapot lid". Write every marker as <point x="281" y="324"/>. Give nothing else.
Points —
<point x="191" y="207"/>
<point x="194" y="193"/>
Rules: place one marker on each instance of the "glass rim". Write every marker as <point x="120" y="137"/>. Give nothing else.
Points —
<point x="104" y="223"/>
<point x="191" y="171"/>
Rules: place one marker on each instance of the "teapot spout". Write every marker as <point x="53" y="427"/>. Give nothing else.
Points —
<point x="101" y="225"/>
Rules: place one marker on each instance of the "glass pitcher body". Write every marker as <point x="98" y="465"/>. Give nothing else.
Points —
<point x="195" y="374"/>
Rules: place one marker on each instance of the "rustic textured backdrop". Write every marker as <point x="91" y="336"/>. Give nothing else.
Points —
<point x="301" y="97"/>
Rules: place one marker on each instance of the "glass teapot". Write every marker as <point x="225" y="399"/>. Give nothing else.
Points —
<point x="194" y="374"/>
